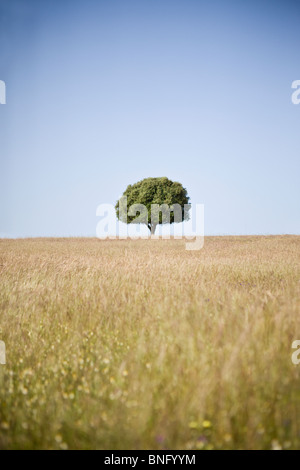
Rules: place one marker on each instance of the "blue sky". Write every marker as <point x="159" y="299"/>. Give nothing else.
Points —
<point x="101" y="94"/>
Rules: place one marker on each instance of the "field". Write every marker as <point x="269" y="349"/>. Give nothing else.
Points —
<point x="140" y="344"/>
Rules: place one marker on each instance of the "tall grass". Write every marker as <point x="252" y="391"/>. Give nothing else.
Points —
<point x="140" y="344"/>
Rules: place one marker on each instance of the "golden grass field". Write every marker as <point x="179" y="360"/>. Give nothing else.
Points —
<point x="140" y="344"/>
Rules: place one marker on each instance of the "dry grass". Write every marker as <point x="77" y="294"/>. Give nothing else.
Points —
<point x="143" y="345"/>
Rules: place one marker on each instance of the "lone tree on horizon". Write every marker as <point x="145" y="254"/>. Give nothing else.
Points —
<point x="153" y="201"/>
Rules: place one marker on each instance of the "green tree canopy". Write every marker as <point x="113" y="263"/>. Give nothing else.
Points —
<point x="153" y="201"/>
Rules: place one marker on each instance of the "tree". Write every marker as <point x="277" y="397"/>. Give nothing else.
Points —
<point x="153" y="201"/>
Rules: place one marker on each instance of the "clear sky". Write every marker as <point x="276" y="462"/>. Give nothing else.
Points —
<point x="101" y="94"/>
